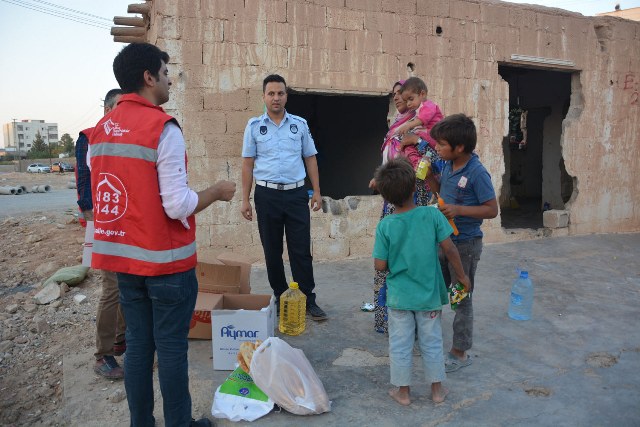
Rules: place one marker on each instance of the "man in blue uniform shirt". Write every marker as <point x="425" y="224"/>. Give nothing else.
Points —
<point x="273" y="148"/>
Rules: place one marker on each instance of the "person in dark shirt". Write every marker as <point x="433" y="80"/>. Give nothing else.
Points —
<point x="110" y="324"/>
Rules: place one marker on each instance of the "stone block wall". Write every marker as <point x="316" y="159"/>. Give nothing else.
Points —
<point x="222" y="49"/>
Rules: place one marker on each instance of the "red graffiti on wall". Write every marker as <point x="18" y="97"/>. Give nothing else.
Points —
<point x="484" y="130"/>
<point x="629" y="84"/>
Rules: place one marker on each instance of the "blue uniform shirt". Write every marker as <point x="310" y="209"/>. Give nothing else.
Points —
<point x="278" y="150"/>
<point x="468" y="186"/>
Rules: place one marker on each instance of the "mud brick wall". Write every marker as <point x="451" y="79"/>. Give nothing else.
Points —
<point x="222" y="49"/>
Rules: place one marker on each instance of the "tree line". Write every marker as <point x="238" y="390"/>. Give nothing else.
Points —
<point x="40" y="149"/>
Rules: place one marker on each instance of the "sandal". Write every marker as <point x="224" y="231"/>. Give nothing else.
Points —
<point x="452" y="363"/>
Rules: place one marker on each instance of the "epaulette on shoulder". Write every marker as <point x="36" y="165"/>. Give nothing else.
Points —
<point x="253" y="120"/>
<point x="298" y="118"/>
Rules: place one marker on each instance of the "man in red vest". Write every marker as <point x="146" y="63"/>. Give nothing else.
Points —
<point x="110" y="325"/>
<point x="145" y="231"/>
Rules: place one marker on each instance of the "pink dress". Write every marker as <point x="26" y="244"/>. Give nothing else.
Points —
<point x="429" y="114"/>
<point x="392" y="147"/>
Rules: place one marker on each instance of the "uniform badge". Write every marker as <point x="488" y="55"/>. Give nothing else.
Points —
<point x="263" y="130"/>
<point x="463" y="182"/>
<point x="293" y="129"/>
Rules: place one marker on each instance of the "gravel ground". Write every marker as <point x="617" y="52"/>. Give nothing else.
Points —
<point x="34" y="338"/>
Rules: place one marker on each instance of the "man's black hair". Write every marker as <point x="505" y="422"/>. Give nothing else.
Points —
<point x="133" y="60"/>
<point x="273" y="78"/>
<point x="396" y="181"/>
<point x="456" y="129"/>
<point x="110" y="97"/>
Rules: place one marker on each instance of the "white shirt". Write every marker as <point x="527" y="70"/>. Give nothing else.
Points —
<point x="178" y="200"/>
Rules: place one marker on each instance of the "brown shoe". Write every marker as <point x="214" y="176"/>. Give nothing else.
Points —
<point x="108" y="367"/>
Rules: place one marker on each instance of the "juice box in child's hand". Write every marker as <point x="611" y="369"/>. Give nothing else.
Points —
<point x="456" y="294"/>
<point x="453" y="224"/>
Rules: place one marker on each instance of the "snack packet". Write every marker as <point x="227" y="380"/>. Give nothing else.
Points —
<point x="456" y="294"/>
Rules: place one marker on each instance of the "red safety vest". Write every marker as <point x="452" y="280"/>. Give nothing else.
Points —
<point x="87" y="134"/>
<point x="132" y="232"/>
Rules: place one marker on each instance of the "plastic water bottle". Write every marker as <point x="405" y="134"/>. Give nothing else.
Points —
<point x="293" y="310"/>
<point x="521" y="298"/>
<point x="423" y="166"/>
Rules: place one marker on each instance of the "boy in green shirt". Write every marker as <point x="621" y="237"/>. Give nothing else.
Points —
<point x="407" y="245"/>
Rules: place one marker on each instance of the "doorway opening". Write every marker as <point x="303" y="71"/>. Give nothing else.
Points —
<point x="535" y="178"/>
<point x="348" y="131"/>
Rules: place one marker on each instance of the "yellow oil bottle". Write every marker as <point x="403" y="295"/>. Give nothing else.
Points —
<point x="293" y="310"/>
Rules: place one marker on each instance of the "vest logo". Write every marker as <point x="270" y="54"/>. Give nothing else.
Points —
<point x="110" y="126"/>
<point x="110" y="202"/>
<point x="231" y="332"/>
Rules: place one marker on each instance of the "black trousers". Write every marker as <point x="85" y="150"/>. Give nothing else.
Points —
<point x="280" y="213"/>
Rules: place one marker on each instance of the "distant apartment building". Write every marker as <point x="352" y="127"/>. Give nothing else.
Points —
<point x="632" y="13"/>
<point x="21" y="134"/>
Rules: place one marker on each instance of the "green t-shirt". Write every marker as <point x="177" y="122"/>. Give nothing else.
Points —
<point x="409" y="241"/>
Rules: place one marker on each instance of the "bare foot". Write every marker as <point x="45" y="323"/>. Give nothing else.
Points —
<point x="438" y="394"/>
<point x="400" y="396"/>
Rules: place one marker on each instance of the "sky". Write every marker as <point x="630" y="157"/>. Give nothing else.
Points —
<point x="58" y="70"/>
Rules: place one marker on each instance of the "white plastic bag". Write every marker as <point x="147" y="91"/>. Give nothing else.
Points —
<point x="239" y="398"/>
<point x="286" y="376"/>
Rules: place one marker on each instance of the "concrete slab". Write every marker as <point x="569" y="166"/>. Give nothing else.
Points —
<point x="574" y="363"/>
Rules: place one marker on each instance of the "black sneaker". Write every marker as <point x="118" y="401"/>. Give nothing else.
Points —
<point x="316" y="312"/>
<point x="202" y="422"/>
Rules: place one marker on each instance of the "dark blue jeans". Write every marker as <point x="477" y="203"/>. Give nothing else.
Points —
<point x="158" y="310"/>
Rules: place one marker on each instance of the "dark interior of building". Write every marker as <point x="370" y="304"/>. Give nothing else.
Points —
<point x="535" y="178"/>
<point x="348" y="131"/>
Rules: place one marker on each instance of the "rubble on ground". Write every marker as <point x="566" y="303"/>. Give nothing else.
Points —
<point x="35" y="335"/>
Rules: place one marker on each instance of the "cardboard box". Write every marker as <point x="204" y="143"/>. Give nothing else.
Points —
<point x="242" y="261"/>
<point x="242" y="317"/>
<point x="200" y="326"/>
<point x="228" y="273"/>
<point x="225" y="273"/>
<point x="218" y="278"/>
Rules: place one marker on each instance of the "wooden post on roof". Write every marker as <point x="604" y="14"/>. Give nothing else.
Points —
<point x="128" y="31"/>
<point x="141" y="8"/>
<point x="129" y="39"/>
<point x="131" y="21"/>
<point x="133" y="29"/>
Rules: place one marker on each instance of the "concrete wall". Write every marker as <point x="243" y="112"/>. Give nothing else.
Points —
<point x="221" y="49"/>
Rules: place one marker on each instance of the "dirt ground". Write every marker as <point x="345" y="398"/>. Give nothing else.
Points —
<point x="34" y="338"/>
